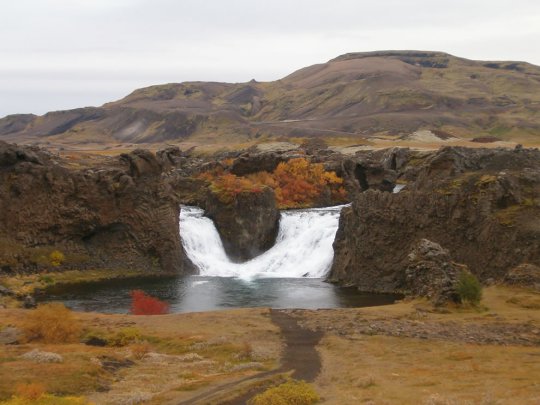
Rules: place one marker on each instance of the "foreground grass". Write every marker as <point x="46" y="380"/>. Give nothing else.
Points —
<point x="390" y="370"/>
<point x="194" y="353"/>
<point x="183" y="354"/>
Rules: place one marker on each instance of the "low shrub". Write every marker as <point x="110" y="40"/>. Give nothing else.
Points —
<point x="469" y="288"/>
<point x="143" y="304"/>
<point x="124" y="337"/>
<point x="289" y="393"/>
<point x="52" y="323"/>
<point x="139" y="350"/>
<point x="56" y="258"/>
<point x="31" y="391"/>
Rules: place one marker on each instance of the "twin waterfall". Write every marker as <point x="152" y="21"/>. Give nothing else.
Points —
<point x="303" y="247"/>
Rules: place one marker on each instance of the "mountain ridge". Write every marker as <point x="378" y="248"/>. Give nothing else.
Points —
<point x="360" y="95"/>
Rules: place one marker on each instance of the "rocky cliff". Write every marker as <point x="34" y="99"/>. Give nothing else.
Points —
<point x="120" y="215"/>
<point x="248" y="226"/>
<point x="481" y="205"/>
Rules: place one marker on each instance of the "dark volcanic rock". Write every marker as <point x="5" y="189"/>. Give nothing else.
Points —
<point x="123" y="215"/>
<point x="480" y="204"/>
<point x="252" y="163"/>
<point x="526" y="275"/>
<point x="431" y="273"/>
<point x="248" y="226"/>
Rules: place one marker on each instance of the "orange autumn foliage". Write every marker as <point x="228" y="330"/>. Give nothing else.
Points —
<point x="296" y="183"/>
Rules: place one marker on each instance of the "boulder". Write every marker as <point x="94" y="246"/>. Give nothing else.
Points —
<point x="431" y="274"/>
<point x="251" y="163"/>
<point x="141" y="162"/>
<point x="38" y="356"/>
<point x="29" y="302"/>
<point x="526" y="275"/>
<point x="10" y="336"/>
<point x="5" y="291"/>
<point x="169" y="157"/>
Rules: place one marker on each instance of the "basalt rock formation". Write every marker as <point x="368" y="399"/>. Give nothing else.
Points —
<point x="431" y="273"/>
<point x="481" y="205"/>
<point x="248" y="226"/>
<point x="121" y="215"/>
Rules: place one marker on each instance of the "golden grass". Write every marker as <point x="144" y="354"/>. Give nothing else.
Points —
<point x="222" y="339"/>
<point x="409" y="371"/>
<point x="52" y="323"/>
<point x="356" y="368"/>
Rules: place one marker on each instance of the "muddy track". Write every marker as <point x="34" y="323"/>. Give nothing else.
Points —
<point x="299" y="356"/>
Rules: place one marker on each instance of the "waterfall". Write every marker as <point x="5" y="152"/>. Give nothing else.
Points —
<point x="303" y="247"/>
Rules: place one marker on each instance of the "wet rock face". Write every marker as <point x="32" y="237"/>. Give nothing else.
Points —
<point x="248" y="226"/>
<point x="121" y="215"/>
<point x="482" y="205"/>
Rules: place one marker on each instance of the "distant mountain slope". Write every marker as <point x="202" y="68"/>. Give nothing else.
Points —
<point x="393" y="93"/>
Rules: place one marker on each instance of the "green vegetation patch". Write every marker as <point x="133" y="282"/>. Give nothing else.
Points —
<point x="291" y="392"/>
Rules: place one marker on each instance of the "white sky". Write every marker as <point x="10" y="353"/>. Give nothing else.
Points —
<point x="59" y="54"/>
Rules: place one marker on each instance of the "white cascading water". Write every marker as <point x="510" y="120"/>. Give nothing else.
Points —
<point x="303" y="247"/>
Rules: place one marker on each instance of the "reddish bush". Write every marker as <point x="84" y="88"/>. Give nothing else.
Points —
<point x="143" y="304"/>
<point x="296" y="183"/>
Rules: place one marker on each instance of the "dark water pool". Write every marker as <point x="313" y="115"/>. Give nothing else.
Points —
<point x="199" y="293"/>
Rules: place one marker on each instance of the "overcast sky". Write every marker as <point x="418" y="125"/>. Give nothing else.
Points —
<point x="59" y="54"/>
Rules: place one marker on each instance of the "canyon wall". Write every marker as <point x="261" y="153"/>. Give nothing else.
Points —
<point x="481" y="205"/>
<point x="121" y="214"/>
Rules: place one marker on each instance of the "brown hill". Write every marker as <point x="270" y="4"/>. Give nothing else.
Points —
<point x="394" y="94"/>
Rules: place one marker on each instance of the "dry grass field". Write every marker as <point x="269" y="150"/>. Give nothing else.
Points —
<point x="406" y="353"/>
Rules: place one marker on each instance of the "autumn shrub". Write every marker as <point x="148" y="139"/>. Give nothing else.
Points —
<point x="289" y="393"/>
<point x="296" y="183"/>
<point x="301" y="183"/>
<point x="228" y="186"/>
<point x="469" y="288"/>
<point x="143" y="304"/>
<point x="30" y="391"/>
<point x="139" y="350"/>
<point x="52" y="323"/>
<point x="56" y="258"/>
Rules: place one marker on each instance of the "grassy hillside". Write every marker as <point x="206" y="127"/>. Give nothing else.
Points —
<point x="358" y="96"/>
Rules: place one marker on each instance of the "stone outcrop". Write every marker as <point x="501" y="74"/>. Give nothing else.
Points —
<point x="482" y="205"/>
<point x="255" y="162"/>
<point x="525" y="275"/>
<point x="122" y="215"/>
<point x="248" y="226"/>
<point x="431" y="273"/>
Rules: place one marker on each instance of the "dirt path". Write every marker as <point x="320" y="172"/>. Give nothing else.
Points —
<point x="299" y="356"/>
